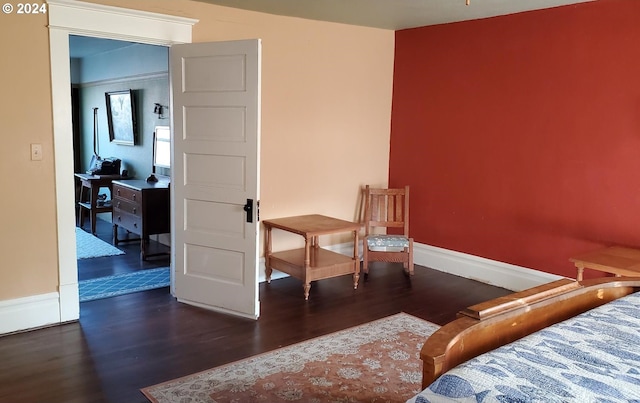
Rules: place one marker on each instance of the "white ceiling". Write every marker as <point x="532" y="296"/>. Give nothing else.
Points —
<point x="393" y="14"/>
<point x="386" y="14"/>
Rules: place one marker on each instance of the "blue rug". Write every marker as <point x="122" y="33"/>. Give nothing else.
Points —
<point x="120" y="284"/>
<point x="88" y="246"/>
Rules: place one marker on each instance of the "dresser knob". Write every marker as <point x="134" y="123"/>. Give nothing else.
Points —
<point x="134" y="210"/>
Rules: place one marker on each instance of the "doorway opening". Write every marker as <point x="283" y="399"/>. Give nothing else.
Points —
<point x="88" y="19"/>
<point x="237" y="66"/>
<point x="100" y="67"/>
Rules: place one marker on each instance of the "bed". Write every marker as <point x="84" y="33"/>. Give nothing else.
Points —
<point x="564" y="341"/>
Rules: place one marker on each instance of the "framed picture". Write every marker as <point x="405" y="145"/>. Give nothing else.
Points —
<point x="121" y="116"/>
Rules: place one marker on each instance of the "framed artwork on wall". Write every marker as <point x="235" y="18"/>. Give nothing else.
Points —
<point x="121" y="117"/>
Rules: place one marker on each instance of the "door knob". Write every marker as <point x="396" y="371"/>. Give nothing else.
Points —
<point x="248" y="208"/>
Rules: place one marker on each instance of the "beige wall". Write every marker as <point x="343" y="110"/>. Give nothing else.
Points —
<point x="326" y="106"/>
<point x="27" y="212"/>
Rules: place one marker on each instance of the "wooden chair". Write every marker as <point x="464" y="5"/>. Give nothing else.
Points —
<point x="387" y="208"/>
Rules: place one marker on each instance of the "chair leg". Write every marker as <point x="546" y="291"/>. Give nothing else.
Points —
<point x="411" y="257"/>
<point x="365" y="259"/>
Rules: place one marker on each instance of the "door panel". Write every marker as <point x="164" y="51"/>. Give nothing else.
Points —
<point x="216" y="111"/>
<point x="227" y="123"/>
<point x="214" y="172"/>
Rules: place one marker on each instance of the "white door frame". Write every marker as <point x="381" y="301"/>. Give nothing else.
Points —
<point x="70" y="17"/>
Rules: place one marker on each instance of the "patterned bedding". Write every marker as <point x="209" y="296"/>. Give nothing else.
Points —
<point x="592" y="357"/>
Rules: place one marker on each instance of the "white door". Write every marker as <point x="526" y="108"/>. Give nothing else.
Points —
<point x="215" y="95"/>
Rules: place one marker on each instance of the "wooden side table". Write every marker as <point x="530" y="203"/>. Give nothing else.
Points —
<point x="93" y="183"/>
<point x="615" y="259"/>
<point x="312" y="262"/>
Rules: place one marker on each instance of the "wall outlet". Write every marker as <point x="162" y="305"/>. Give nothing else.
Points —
<point x="36" y="152"/>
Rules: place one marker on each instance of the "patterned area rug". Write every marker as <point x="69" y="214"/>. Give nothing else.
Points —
<point x="88" y="246"/>
<point x="105" y="287"/>
<point x="375" y="362"/>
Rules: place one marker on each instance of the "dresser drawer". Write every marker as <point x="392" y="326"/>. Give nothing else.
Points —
<point x="128" y="221"/>
<point x="126" y="206"/>
<point x="127" y="194"/>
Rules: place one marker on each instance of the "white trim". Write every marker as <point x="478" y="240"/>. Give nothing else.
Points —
<point x="41" y="310"/>
<point x="69" y="301"/>
<point x="63" y="151"/>
<point x="68" y="17"/>
<point x="29" y="312"/>
<point x="500" y="274"/>
<point x="110" y="22"/>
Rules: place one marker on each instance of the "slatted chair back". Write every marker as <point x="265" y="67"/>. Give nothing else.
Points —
<point x="386" y="208"/>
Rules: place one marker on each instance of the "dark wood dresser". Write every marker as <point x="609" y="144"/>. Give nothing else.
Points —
<point x="142" y="208"/>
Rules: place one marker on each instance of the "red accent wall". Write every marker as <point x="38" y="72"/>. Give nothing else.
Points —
<point x="520" y="135"/>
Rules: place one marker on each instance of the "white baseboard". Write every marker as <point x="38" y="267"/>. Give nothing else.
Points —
<point x="69" y="302"/>
<point x="500" y="274"/>
<point x="29" y="312"/>
<point x="42" y="310"/>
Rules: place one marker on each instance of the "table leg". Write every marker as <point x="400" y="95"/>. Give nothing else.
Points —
<point x="307" y="254"/>
<point x="95" y="189"/>
<point x="356" y="261"/>
<point x="81" y="197"/>
<point x="143" y="248"/>
<point x="580" y="272"/>
<point x="115" y="234"/>
<point x="307" y="266"/>
<point x="307" y="287"/>
<point x="267" y="254"/>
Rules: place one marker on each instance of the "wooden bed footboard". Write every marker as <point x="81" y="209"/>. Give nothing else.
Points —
<point x="486" y="326"/>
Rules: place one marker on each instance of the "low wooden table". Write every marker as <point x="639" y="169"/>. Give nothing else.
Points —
<point x="615" y="259"/>
<point x="312" y="262"/>
<point x="93" y="183"/>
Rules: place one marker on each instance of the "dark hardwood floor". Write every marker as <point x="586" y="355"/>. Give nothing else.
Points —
<point x="125" y="343"/>
<point x="130" y="261"/>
